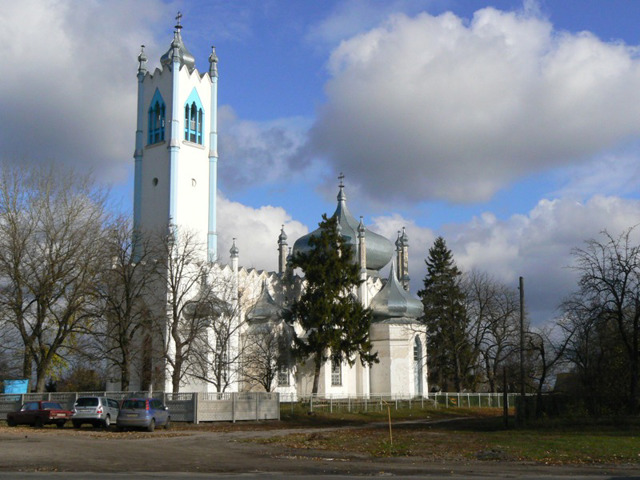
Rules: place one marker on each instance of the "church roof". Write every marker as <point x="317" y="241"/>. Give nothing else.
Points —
<point x="184" y="55"/>
<point x="394" y="302"/>
<point x="379" y="248"/>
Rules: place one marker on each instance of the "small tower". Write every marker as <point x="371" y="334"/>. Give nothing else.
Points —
<point x="175" y="159"/>
<point x="402" y="259"/>
<point x="362" y="261"/>
<point x="283" y="251"/>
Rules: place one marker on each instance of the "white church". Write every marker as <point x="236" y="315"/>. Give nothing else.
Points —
<point x="176" y="159"/>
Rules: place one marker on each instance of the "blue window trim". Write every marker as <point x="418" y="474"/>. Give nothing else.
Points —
<point x="193" y="118"/>
<point x="157" y="119"/>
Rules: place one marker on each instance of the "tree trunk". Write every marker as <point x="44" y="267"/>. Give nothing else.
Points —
<point x="27" y="364"/>
<point x="175" y="375"/>
<point x="41" y="379"/>
<point x="124" y="376"/>
<point x="316" y="373"/>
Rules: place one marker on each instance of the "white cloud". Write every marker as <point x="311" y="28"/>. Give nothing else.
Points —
<point x="536" y="246"/>
<point x="66" y="93"/>
<point x="352" y="17"/>
<point x="609" y="174"/>
<point x="255" y="231"/>
<point x="255" y="153"/>
<point x="436" y="107"/>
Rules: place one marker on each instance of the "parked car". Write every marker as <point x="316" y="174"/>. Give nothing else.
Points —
<point x="98" y="411"/>
<point x="146" y="413"/>
<point x="39" y="413"/>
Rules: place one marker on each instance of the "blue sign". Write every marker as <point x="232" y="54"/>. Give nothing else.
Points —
<point x="16" y="386"/>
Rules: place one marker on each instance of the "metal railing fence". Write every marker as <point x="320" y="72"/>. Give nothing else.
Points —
<point x="364" y="403"/>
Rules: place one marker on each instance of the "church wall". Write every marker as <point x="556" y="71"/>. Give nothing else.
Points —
<point x="394" y="374"/>
<point x="155" y="158"/>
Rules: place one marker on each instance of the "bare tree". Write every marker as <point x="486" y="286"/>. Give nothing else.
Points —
<point x="219" y="350"/>
<point x="547" y="346"/>
<point x="609" y="293"/>
<point x="493" y="330"/>
<point x="51" y="229"/>
<point x="121" y="292"/>
<point x="266" y="353"/>
<point x="180" y="281"/>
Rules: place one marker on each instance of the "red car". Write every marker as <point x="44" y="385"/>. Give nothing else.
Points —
<point x="38" y="414"/>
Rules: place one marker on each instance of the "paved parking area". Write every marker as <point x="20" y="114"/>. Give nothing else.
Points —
<point x="25" y="449"/>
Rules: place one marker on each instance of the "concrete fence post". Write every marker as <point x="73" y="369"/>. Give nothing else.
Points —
<point x="233" y="407"/>
<point x="257" y="406"/>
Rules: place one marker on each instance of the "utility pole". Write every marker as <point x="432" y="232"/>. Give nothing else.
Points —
<point x="523" y="403"/>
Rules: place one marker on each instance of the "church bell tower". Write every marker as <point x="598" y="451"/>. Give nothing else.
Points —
<point x="176" y="152"/>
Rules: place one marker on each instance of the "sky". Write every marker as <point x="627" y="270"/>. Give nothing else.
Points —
<point x="509" y="128"/>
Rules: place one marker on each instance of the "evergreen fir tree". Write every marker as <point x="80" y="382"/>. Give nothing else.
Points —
<point x="445" y="318"/>
<point x="335" y="323"/>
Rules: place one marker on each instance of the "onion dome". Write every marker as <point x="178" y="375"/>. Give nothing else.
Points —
<point x="404" y="239"/>
<point x="184" y="55"/>
<point x="142" y="61"/>
<point x="393" y="302"/>
<point x="379" y="249"/>
<point x="234" y="251"/>
<point x="282" y="238"/>
<point x="265" y="308"/>
<point x="204" y="304"/>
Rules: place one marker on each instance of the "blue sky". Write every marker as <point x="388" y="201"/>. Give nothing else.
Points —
<point x="510" y="128"/>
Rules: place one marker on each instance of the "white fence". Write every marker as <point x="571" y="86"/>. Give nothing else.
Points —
<point x="364" y="403"/>
<point x="184" y="407"/>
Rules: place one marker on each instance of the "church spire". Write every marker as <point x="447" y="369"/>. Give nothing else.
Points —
<point x="178" y="50"/>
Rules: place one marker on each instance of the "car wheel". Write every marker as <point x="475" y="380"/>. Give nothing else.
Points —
<point x="76" y="424"/>
<point x="167" y="425"/>
<point x="152" y="425"/>
<point x="11" y="422"/>
<point x="60" y="424"/>
<point x="38" y="423"/>
<point x="107" y="422"/>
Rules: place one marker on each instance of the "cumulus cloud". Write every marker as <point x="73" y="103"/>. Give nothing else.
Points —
<point x="431" y="107"/>
<point x="536" y="245"/>
<point x="66" y="93"/>
<point x="256" y="153"/>
<point x="255" y="229"/>
<point x="352" y="17"/>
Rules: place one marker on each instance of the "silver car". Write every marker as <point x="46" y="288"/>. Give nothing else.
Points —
<point x="98" y="411"/>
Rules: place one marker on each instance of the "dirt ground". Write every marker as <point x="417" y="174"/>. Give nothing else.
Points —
<point x="223" y="450"/>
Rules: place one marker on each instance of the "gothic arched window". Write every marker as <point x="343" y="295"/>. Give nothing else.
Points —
<point x="417" y="365"/>
<point x="336" y="372"/>
<point x="193" y="118"/>
<point x="157" y="116"/>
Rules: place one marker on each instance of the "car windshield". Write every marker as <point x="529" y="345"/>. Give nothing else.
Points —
<point x="87" y="402"/>
<point x="51" y="406"/>
<point x="135" y="404"/>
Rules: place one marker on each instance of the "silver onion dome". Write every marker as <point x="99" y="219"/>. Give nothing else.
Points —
<point x="379" y="249"/>
<point x="393" y="302"/>
<point x="265" y="308"/>
<point x="184" y="55"/>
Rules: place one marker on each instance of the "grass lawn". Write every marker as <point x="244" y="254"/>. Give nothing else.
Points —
<point x="480" y="434"/>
